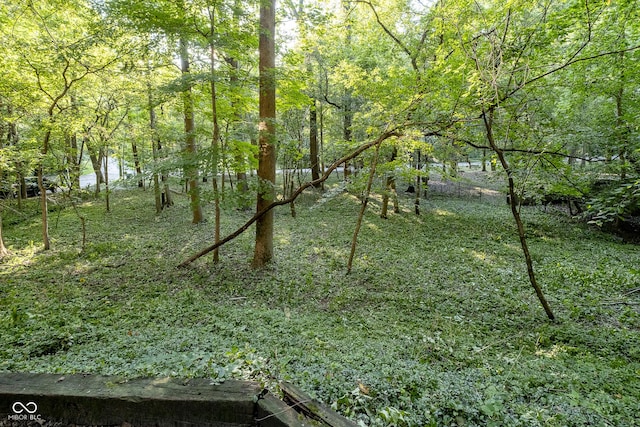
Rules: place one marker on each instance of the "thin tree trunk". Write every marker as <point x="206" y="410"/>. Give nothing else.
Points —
<point x="416" y="200"/>
<point x="390" y="188"/>
<point x="43" y="192"/>
<point x="313" y="141"/>
<point x="136" y="162"/>
<point x="166" y="191"/>
<point x="73" y="160"/>
<point x="346" y="131"/>
<point x="215" y="141"/>
<point x="394" y="197"/>
<point x="106" y="180"/>
<point x="363" y="207"/>
<point x="96" y="161"/>
<point x="157" y="192"/>
<point x="3" y="249"/>
<point x="263" y="252"/>
<point x="191" y="171"/>
<point x="488" y="123"/>
<point x="240" y="167"/>
<point x="326" y="174"/>
<point x="73" y="155"/>
<point x="385" y="197"/>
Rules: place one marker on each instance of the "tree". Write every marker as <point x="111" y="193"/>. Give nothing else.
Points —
<point x="263" y="251"/>
<point x="175" y="20"/>
<point x="191" y="169"/>
<point x="58" y="57"/>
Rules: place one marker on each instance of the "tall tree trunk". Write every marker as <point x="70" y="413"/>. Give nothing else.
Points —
<point x="157" y="192"/>
<point x="215" y="140"/>
<point x="327" y="173"/>
<point x="239" y="157"/>
<point x="313" y="141"/>
<point x="240" y="163"/>
<point x="43" y="191"/>
<point x="488" y="124"/>
<point x="166" y="191"/>
<point x="191" y="170"/>
<point x="263" y="252"/>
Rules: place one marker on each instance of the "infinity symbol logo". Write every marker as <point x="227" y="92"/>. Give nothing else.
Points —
<point x="20" y="407"/>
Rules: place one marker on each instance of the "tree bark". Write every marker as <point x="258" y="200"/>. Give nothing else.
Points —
<point x="191" y="170"/>
<point x="215" y="140"/>
<point x="96" y="162"/>
<point x="313" y="141"/>
<point x="263" y="252"/>
<point x="43" y="191"/>
<point x="327" y="173"/>
<point x="157" y="193"/>
<point x="136" y="162"/>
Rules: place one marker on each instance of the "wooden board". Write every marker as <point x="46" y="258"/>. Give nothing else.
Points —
<point x="312" y="409"/>
<point x="92" y="400"/>
<point x="97" y="400"/>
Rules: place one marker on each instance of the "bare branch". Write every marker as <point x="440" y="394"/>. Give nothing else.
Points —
<point x="384" y="136"/>
<point x="399" y="42"/>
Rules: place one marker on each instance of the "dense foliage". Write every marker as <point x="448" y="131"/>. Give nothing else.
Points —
<point x="435" y="327"/>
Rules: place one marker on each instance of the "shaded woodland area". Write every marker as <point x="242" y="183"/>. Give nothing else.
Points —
<point x="247" y="131"/>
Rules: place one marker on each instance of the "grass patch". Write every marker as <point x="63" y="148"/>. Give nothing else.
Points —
<point x="436" y="325"/>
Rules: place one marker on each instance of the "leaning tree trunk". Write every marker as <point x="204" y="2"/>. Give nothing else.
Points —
<point x="488" y="124"/>
<point x="363" y="208"/>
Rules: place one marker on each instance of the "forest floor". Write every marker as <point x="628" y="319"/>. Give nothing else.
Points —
<point x="437" y="323"/>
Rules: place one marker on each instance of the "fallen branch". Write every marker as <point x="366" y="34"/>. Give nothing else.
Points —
<point x="620" y="303"/>
<point x="327" y="173"/>
<point x="631" y="291"/>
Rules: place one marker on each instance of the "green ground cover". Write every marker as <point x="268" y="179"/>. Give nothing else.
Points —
<point x="436" y="325"/>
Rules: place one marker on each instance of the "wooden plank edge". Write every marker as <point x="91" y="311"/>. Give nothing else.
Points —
<point x="312" y="409"/>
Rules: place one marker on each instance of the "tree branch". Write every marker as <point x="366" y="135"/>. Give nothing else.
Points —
<point x="411" y="56"/>
<point x="384" y="136"/>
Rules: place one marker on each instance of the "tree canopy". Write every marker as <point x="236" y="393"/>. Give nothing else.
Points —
<point x="545" y="91"/>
